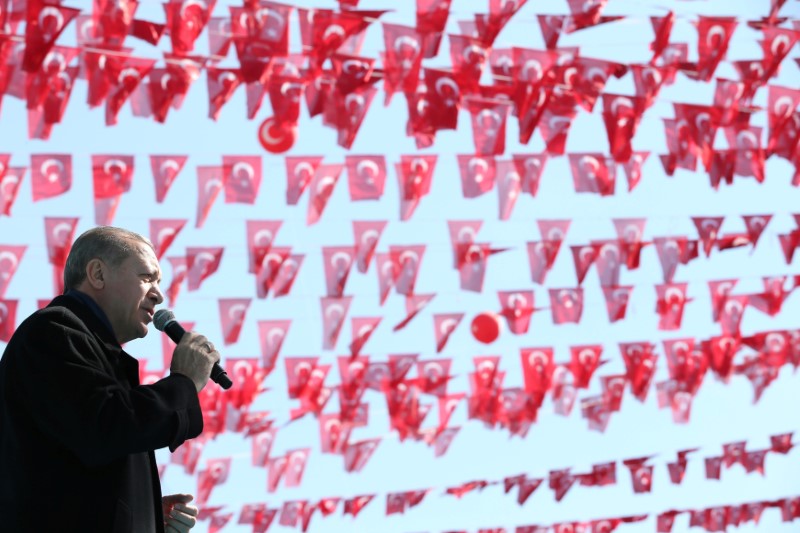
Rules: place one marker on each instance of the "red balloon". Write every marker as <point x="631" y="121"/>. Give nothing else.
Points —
<point x="276" y="138"/>
<point x="485" y="327"/>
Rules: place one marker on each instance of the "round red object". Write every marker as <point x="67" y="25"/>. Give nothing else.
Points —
<point x="276" y="138"/>
<point x="485" y="327"/>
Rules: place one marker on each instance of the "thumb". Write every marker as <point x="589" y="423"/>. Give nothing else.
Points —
<point x="179" y="498"/>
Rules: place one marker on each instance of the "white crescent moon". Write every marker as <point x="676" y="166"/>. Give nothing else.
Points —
<point x="52" y="176"/>
<point x="128" y="72"/>
<point x="236" y="312"/>
<point x="163" y="234"/>
<point x="567" y="296"/>
<point x="263" y="235"/>
<point x="534" y="66"/>
<point x="447" y="326"/>
<point x="169" y="164"/>
<point x="341" y="256"/>
<point x="466" y="234"/>
<point x="212" y="185"/>
<point x="51" y="12"/>
<point x="783" y="40"/>
<point x="609" y="251"/>
<point x="8" y="185"/>
<point x="303" y="165"/>
<point x="11" y="258"/>
<point x="264" y="15"/>
<point x="115" y="163"/>
<point x="538" y="358"/>
<point x="333" y="29"/>
<point x="165" y="80"/>
<point x="369" y="237"/>
<point x="558" y="123"/>
<point x="189" y="3"/>
<point x="621" y="101"/>
<point x="516" y="298"/>
<point x="245" y="167"/>
<point x="409" y="258"/>
<point x="227" y="76"/>
<point x="673" y="293"/>
<point x="493" y="116"/>
<point x="62" y="228"/>
<point x="334" y="309"/>
<point x="784" y="101"/>
<point x="418" y="163"/>
<point x="368" y="169"/>
<point x="715" y="30"/>
<point x="324" y="184"/>
<point x="54" y="56"/>
<point x="274" y="336"/>
<point x="443" y="82"/>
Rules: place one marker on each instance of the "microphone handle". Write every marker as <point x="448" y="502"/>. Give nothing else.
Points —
<point x="175" y="331"/>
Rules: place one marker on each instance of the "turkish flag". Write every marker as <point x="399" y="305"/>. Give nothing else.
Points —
<point x="201" y="262"/>
<point x="537" y="368"/>
<point x="713" y="36"/>
<point x="44" y="23"/>
<point x="443" y="97"/>
<point x="10" y="257"/>
<point x="112" y="175"/>
<point x="366" y="235"/>
<point x="337" y="261"/>
<point x="186" y="21"/>
<point x="8" y="319"/>
<point x="300" y="171"/>
<point x="271" y="334"/>
<point x="585" y="360"/>
<point x="261" y="445"/>
<point x="566" y="305"/>
<point x="287" y="273"/>
<point x="221" y="83"/>
<point x="232" y="313"/>
<point x="51" y="175"/>
<point x="617" y="298"/>
<point x="242" y="178"/>
<point x="321" y="189"/>
<point x="671" y="300"/>
<point x="178" y="265"/>
<point x="366" y="176"/>
<point x="334" y="310"/>
<point x="165" y="169"/>
<point x="163" y="232"/>
<point x="517" y="307"/>
<point x="444" y="325"/>
<point x="128" y="74"/>
<point x="261" y="235"/>
<point x="295" y="466"/>
<point x="362" y="328"/>
<point x="210" y="180"/>
<point x="10" y="179"/>
<point x="593" y="173"/>
<point x="59" y="233"/>
<point x="406" y="260"/>
<point x="404" y="47"/>
<point x="358" y="453"/>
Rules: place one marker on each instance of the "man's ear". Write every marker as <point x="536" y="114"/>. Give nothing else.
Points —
<point x="95" y="270"/>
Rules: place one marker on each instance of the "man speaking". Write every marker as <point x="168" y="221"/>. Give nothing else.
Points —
<point x="77" y="430"/>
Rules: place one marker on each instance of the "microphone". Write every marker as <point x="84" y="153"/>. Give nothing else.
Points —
<point x="164" y="321"/>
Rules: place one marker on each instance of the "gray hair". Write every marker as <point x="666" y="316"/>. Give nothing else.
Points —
<point x="107" y="243"/>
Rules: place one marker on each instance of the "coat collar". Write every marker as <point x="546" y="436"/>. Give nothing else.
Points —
<point x="99" y="328"/>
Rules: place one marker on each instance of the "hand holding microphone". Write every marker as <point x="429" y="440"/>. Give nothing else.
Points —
<point x="194" y="357"/>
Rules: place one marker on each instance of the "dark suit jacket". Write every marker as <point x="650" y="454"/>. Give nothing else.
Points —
<point x="77" y="431"/>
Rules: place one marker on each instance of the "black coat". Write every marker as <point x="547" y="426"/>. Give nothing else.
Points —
<point x="77" y="431"/>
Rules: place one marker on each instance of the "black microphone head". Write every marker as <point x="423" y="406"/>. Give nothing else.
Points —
<point x="162" y="318"/>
